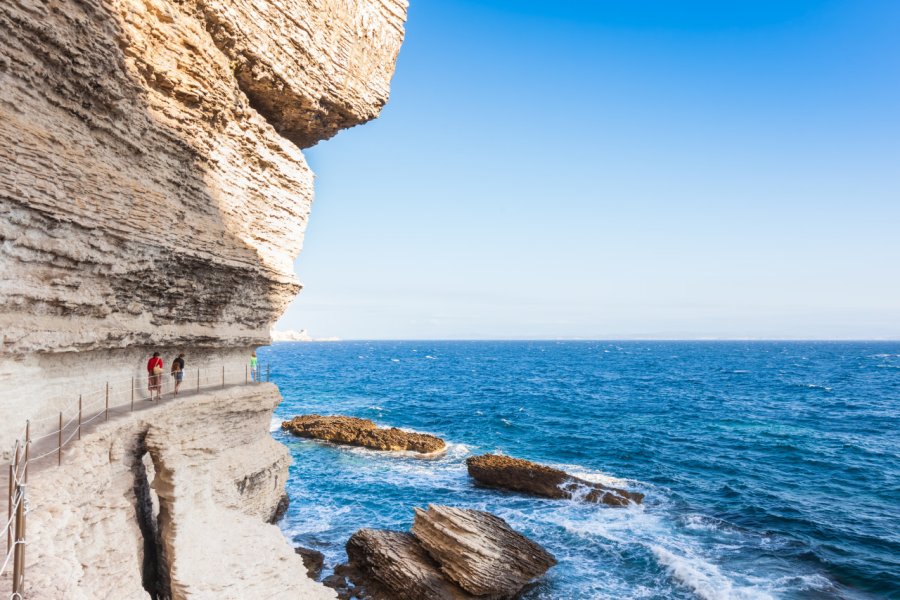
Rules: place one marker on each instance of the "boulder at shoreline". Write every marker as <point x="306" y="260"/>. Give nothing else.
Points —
<point x="451" y="554"/>
<point x="393" y="565"/>
<point x="519" y="475"/>
<point x="353" y="431"/>
<point x="480" y="551"/>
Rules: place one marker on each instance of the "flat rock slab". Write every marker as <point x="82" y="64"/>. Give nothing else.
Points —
<point x="525" y="476"/>
<point x="479" y="551"/>
<point x="353" y="431"/>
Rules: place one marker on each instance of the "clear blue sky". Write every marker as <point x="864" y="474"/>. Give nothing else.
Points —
<point x="607" y="169"/>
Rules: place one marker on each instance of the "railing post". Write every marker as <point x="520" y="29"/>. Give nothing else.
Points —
<point x="27" y="450"/>
<point x="19" y="552"/>
<point x="59" y="451"/>
<point x="17" y="500"/>
<point x="107" y="402"/>
<point x="9" y="529"/>
<point x="16" y="460"/>
<point x="132" y="394"/>
<point x="79" y="416"/>
<point x="223" y="375"/>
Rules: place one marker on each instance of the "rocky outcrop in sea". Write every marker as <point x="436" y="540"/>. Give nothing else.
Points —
<point x="520" y="475"/>
<point x="353" y="431"/>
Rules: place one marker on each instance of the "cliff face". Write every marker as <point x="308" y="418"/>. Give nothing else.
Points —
<point x="150" y="187"/>
<point x="153" y="197"/>
<point x="153" y="193"/>
<point x="154" y="503"/>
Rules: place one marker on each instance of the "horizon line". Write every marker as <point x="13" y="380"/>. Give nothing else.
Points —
<point x="578" y="339"/>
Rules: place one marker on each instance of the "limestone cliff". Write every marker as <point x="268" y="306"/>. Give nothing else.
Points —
<point x="153" y="193"/>
<point x="153" y="197"/>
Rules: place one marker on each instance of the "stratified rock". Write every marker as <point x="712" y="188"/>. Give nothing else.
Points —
<point x="525" y="476"/>
<point x="392" y="565"/>
<point x="480" y="551"/>
<point x="313" y="560"/>
<point x="362" y="432"/>
<point x="153" y="190"/>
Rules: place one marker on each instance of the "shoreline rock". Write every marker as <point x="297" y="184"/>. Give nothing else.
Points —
<point x="353" y="431"/>
<point x="520" y="475"/>
<point x="451" y="554"/>
<point x="394" y="565"/>
<point x="313" y="560"/>
<point x="479" y="551"/>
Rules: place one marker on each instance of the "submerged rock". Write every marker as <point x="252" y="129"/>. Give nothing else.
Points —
<point x="525" y="476"/>
<point x="313" y="560"/>
<point x="452" y="554"/>
<point x="362" y="432"/>
<point x="480" y="551"/>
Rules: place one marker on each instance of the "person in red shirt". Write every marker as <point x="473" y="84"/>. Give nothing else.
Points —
<point x="154" y="375"/>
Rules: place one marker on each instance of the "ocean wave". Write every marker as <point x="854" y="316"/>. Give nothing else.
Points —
<point x="595" y="476"/>
<point x="679" y="550"/>
<point x="704" y="578"/>
<point x="313" y="518"/>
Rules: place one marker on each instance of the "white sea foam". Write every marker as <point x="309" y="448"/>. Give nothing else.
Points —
<point x="594" y="476"/>
<point x="704" y="578"/>
<point x="814" y="386"/>
<point x="428" y="356"/>
<point x="275" y="424"/>
<point x="313" y="518"/>
<point x="622" y="531"/>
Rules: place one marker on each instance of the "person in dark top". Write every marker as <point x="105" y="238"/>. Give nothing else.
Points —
<point x="178" y="371"/>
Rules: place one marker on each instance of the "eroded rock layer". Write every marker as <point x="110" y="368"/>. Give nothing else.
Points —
<point x="152" y="188"/>
<point x="353" y="431"/>
<point x="520" y="475"/>
<point x="393" y="565"/>
<point x="480" y="551"/>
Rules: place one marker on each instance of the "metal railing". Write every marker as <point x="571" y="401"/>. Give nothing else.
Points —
<point x="48" y="436"/>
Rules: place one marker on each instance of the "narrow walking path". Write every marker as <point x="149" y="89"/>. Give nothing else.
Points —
<point x="50" y="438"/>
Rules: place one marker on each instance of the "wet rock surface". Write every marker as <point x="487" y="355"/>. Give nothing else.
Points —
<point x="353" y="431"/>
<point x="525" y="476"/>
<point x="313" y="560"/>
<point x="451" y="554"/>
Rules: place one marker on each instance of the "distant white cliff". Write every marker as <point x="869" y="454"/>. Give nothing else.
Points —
<point x="292" y="335"/>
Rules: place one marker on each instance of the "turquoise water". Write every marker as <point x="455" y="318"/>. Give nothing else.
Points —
<point x="771" y="470"/>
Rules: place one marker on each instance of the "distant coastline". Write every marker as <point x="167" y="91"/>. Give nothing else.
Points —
<point x="293" y="335"/>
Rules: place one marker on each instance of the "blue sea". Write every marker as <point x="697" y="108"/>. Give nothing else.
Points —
<point x="771" y="469"/>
